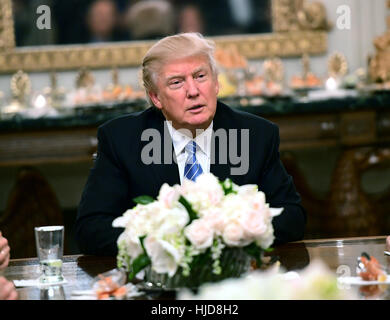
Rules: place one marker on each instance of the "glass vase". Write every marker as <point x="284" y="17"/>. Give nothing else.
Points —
<point x="234" y="263"/>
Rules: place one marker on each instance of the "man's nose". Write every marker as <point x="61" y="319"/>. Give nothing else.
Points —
<point x="192" y="88"/>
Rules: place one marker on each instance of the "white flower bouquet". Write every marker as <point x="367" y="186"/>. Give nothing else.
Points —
<point x="198" y="232"/>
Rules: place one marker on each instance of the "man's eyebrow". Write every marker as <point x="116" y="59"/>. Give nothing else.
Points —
<point x="201" y="68"/>
<point x="174" y="76"/>
<point x="180" y="75"/>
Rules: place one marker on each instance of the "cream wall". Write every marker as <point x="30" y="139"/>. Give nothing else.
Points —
<point x="367" y="22"/>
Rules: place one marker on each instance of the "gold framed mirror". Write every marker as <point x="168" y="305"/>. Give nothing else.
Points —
<point x="299" y="27"/>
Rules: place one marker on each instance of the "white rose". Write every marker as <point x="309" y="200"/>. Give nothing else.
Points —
<point x="143" y="219"/>
<point x="233" y="234"/>
<point x="233" y="205"/>
<point x="265" y="240"/>
<point x="275" y="211"/>
<point x="258" y="201"/>
<point x="133" y="245"/>
<point x="247" y="190"/>
<point x="171" y="220"/>
<point x="215" y="218"/>
<point x="168" y="195"/>
<point x="210" y="184"/>
<point x="253" y="224"/>
<point x="199" y="234"/>
<point x="203" y="193"/>
<point x="164" y="256"/>
<point x="122" y="221"/>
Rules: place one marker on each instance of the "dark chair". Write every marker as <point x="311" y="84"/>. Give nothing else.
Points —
<point x="31" y="203"/>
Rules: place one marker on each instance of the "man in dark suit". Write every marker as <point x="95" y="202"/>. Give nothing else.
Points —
<point x="139" y="152"/>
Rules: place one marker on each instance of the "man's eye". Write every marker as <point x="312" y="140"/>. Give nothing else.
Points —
<point x="201" y="76"/>
<point x="175" y="83"/>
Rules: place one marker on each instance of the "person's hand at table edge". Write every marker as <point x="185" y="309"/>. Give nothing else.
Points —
<point x="4" y="252"/>
<point x="7" y="290"/>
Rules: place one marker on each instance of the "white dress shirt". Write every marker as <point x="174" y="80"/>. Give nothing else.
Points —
<point x="203" y="150"/>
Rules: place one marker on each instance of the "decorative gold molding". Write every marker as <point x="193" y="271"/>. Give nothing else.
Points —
<point x="7" y="38"/>
<point x="296" y="15"/>
<point x="293" y="38"/>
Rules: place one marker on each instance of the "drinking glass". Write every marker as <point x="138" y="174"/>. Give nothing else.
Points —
<point x="52" y="293"/>
<point x="49" y="242"/>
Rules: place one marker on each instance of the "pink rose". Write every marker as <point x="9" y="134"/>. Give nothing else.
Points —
<point x="168" y="195"/>
<point x="214" y="217"/>
<point x="199" y="234"/>
<point x="233" y="234"/>
<point x="259" y="203"/>
<point x="253" y="224"/>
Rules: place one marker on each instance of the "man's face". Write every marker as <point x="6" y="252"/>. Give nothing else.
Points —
<point x="187" y="93"/>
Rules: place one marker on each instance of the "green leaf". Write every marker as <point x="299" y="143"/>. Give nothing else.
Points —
<point x="227" y="186"/>
<point x="138" y="264"/>
<point x="143" y="200"/>
<point x="191" y="212"/>
<point x="141" y="239"/>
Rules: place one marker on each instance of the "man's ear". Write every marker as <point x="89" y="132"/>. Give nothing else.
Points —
<point x="217" y="86"/>
<point x="155" y="99"/>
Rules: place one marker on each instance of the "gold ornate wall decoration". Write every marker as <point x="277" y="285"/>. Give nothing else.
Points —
<point x="299" y="27"/>
<point x="7" y="37"/>
<point x="20" y="88"/>
<point x="273" y="70"/>
<point x="379" y="63"/>
<point x="294" y="15"/>
<point x="84" y="79"/>
<point x="337" y="65"/>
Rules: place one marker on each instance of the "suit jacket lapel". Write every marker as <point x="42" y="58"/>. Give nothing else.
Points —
<point x="219" y="164"/>
<point x="167" y="171"/>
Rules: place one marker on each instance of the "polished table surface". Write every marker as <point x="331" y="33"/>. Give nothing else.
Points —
<point x="338" y="254"/>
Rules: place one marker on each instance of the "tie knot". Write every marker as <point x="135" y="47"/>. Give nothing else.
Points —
<point x="191" y="147"/>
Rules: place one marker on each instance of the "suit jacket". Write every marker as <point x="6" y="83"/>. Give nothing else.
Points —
<point x="119" y="175"/>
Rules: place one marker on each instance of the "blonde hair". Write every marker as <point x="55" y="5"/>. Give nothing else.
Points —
<point x="174" y="47"/>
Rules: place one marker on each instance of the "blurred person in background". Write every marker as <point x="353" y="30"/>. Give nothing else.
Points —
<point x="150" y="20"/>
<point x="225" y="17"/>
<point x="7" y="288"/>
<point x="101" y="21"/>
<point x="190" y="18"/>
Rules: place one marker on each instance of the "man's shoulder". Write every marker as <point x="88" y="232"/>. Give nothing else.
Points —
<point x="243" y="119"/>
<point x="130" y="121"/>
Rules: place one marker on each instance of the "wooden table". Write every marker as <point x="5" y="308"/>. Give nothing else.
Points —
<point x="339" y="254"/>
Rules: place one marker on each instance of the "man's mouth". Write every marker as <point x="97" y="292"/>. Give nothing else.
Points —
<point x="196" y="107"/>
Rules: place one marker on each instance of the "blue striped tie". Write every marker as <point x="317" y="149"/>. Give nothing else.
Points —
<point x="192" y="168"/>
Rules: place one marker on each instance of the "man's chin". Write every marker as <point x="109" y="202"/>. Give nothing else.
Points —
<point x="200" y="123"/>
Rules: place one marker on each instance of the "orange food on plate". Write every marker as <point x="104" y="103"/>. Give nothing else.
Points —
<point x="108" y="288"/>
<point x="372" y="270"/>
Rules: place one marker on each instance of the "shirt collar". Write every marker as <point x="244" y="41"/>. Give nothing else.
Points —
<point x="180" y="140"/>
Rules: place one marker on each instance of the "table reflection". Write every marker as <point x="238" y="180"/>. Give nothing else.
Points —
<point x="52" y="293"/>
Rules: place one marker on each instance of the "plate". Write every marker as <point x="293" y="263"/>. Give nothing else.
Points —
<point x="360" y="282"/>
